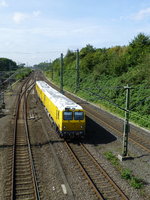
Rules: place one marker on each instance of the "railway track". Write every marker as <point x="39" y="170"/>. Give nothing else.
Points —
<point x="103" y="186"/>
<point x="23" y="184"/>
<point x="112" y="125"/>
<point x="133" y="137"/>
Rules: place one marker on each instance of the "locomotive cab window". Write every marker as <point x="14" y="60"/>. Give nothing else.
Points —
<point x="78" y="115"/>
<point x="68" y="115"/>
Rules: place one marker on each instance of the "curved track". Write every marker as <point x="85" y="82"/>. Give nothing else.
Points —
<point x="23" y="181"/>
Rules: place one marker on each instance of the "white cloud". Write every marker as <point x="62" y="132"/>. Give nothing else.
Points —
<point x="18" y="17"/>
<point x="3" y="4"/>
<point x="142" y="14"/>
<point x="47" y="37"/>
<point x="36" y="13"/>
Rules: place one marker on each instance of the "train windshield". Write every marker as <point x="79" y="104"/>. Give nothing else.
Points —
<point x="78" y="115"/>
<point x="68" y="115"/>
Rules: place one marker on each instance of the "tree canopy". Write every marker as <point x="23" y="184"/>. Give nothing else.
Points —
<point x="7" y="64"/>
<point x="103" y="71"/>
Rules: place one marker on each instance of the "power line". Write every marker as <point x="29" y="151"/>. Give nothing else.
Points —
<point x="105" y="98"/>
<point x="139" y="116"/>
<point x="143" y="100"/>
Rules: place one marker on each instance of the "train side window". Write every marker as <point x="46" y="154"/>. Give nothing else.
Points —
<point x="68" y="115"/>
<point x="78" y="115"/>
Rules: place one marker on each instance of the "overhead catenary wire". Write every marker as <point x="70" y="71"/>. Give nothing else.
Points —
<point x="104" y="98"/>
<point x="99" y="92"/>
<point x="139" y="116"/>
<point x="140" y="102"/>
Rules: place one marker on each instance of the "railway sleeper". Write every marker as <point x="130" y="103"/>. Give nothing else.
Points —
<point x="23" y="165"/>
<point x="26" y="176"/>
<point x="27" y="195"/>
<point x="24" y="186"/>
<point x="25" y="191"/>
<point x="23" y="159"/>
<point x="22" y="150"/>
<point x="27" y="180"/>
<point x="22" y="171"/>
<point x="104" y="186"/>
<point x="23" y="156"/>
<point x="114" y="198"/>
<point x="22" y="168"/>
<point x="110" y="191"/>
<point x="26" y="198"/>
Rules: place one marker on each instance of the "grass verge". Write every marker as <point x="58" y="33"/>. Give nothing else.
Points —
<point x="126" y="174"/>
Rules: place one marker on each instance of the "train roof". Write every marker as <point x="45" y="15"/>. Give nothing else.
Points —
<point x="61" y="101"/>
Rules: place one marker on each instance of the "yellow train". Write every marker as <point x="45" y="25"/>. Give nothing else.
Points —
<point x="67" y="117"/>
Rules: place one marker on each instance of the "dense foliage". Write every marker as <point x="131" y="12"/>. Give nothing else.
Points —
<point x="22" y="73"/>
<point x="105" y="72"/>
<point x="9" y="68"/>
<point x="43" y="66"/>
<point x="7" y="64"/>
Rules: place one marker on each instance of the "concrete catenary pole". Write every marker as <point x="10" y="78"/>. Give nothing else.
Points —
<point x="126" y="123"/>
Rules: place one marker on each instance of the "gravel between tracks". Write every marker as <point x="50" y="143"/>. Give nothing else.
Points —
<point x="103" y="140"/>
<point x="78" y="184"/>
<point x="6" y="132"/>
<point x="49" y="176"/>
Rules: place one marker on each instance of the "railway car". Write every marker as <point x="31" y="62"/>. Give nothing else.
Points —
<point x="67" y="117"/>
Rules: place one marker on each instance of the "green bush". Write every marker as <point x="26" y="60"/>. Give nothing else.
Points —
<point x="136" y="183"/>
<point x="112" y="158"/>
<point x="22" y="73"/>
<point x="126" y="174"/>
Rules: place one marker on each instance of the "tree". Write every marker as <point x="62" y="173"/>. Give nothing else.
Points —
<point x="7" y="64"/>
<point x="69" y="58"/>
<point x="88" y="49"/>
<point x="42" y="65"/>
<point x="137" y="49"/>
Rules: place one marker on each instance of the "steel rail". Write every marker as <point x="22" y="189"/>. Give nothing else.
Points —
<point x="90" y="113"/>
<point x="15" y="137"/>
<point x="104" y="173"/>
<point x="29" y="144"/>
<point x="100" y="193"/>
<point x="97" y="192"/>
<point x="120" y="133"/>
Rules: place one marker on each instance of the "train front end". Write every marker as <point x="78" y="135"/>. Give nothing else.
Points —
<point x="73" y="123"/>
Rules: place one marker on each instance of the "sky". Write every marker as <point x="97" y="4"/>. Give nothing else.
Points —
<point x="34" y="31"/>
